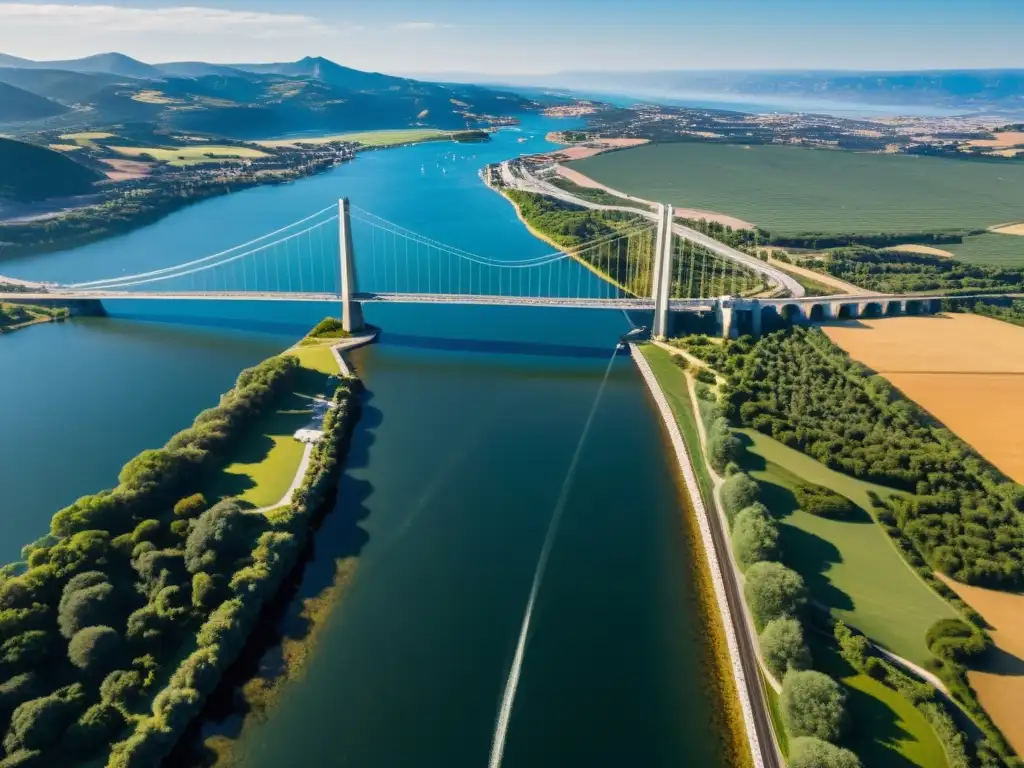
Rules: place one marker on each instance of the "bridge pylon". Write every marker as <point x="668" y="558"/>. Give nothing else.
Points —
<point x="351" y="310"/>
<point x="663" y="271"/>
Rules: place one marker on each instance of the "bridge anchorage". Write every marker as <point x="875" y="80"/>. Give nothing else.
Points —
<point x="344" y="254"/>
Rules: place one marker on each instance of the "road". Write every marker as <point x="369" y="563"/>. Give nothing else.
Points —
<point x="527" y="182"/>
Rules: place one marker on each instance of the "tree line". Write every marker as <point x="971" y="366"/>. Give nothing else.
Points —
<point x="961" y="514"/>
<point x="897" y="272"/>
<point x="92" y="621"/>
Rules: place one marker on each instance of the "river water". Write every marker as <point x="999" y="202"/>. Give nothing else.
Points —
<point x="472" y="417"/>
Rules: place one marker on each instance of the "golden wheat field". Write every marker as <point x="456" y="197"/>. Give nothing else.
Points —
<point x="965" y="370"/>
<point x="1000" y="682"/>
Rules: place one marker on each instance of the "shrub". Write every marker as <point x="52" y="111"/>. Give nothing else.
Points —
<point x="204" y="593"/>
<point x="956" y="640"/>
<point x="813" y="704"/>
<point x="147" y="530"/>
<point x="328" y="328"/>
<point x="95" y="649"/>
<point x="738" y="492"/>
<point x="15" y="691"/>
<point x="853" y="647"/>
<point x="809" y="752"/>
<point x="772" y="591"/>
<point x="705" y="376"/>
<point x="824" y="502"/>
<point x="783" y="647"/>
<point x="755" y="538"/>
<point x="175" y="707"/>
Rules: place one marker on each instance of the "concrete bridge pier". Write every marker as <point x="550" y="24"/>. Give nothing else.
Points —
<point x="725" y="313"/>
<point x="351" y="310"/>
<point x="663" y="271"/>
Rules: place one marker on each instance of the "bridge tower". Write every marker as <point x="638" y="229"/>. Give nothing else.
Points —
<point x="351" y="310"/>
<point x="663" y="271"/>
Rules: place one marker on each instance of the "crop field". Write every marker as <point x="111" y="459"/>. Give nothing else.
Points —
<point x="182" y="156"/>
<point x="995" y="249"/>
<point x="87" y="138"/>
<point x="965" y="370"/>
<point x="849" y="565"/>
<point x="790" y="189"/>
<point x="886" y="730"/>
<point x="383" y="138"/>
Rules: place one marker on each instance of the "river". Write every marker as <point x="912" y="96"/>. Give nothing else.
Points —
<point x="472" y="419"/>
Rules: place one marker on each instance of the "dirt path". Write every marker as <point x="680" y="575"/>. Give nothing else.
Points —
<point x="820" y="277"/>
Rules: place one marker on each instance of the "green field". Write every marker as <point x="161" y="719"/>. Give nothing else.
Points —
<point x="997" y="250"/>
<point x="673" y="382"/>
<point x="886" y="730"/>
<point x="383" y="138"/>
<point x="789" y="189"/>
<point x="196" y="155"/>
<point x="269" y="455"/>
<point x="851" y="566"/>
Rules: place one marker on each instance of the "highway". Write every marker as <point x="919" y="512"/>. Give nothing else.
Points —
<point x="527" y="182"/>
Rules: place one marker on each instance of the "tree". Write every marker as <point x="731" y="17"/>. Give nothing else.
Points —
<point x="23" y="758"/>
<point x="94" y="729"/>
<point x="824" y="502"/>
<point x="809" y="752"/>
<point x="95" y="649"/>
<point x="219" y="536"/>
<point x="783" y="647"/>
<point x="772" y="591"/>
<point x="813" y="704"/>
<point x="191" y="506"/>
<point x="39" y="723"/>
<point x="724" y="448"/>
<point x="15" y="691"/>
<point x="204" y="592"/>
<point x="147" y="530"/>
<point x="739" y="491"/>
<point x="86" y="607"/>
<point x="23" y="652"/>
<point x="755" y="538"/>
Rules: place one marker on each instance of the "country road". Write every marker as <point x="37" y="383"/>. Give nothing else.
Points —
<point x="527" y="182"/>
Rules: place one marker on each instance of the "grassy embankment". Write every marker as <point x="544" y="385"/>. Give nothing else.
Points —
<point x="16" y="316"/>
<point x="898" y="734"/>
<point x="722" y="687"/>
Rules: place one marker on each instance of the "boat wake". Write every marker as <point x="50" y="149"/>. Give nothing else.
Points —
<point x="512" y="684"/>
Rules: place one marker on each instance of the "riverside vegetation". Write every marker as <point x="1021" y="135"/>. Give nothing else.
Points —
<point x="946" y="508"/>
<point x="121" y="621"/>
<point x="15" y="316"/>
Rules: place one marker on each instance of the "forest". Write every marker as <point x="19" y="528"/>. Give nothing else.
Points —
<point x="958" y="511"/>
<point x="122" y="620"/>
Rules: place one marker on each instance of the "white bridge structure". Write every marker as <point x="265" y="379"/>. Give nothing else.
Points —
<point x="344" y="254"/>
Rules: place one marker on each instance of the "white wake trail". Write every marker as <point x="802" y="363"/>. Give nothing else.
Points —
<point x="508" y="698"/>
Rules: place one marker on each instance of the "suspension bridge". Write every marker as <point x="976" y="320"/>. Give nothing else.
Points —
<point x="345" y="254"/>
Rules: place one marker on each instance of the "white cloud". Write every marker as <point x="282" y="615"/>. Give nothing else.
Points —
<point x="187" y="20"/>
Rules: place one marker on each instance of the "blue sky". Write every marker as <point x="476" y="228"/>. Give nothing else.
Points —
<point x="531" y="36"/>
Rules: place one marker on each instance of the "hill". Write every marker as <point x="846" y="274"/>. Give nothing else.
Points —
<point x="252" y="101"/>
<point x="29" y="173"/>
<point x="17" y="105"/>
<point x="103" y="63"/>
